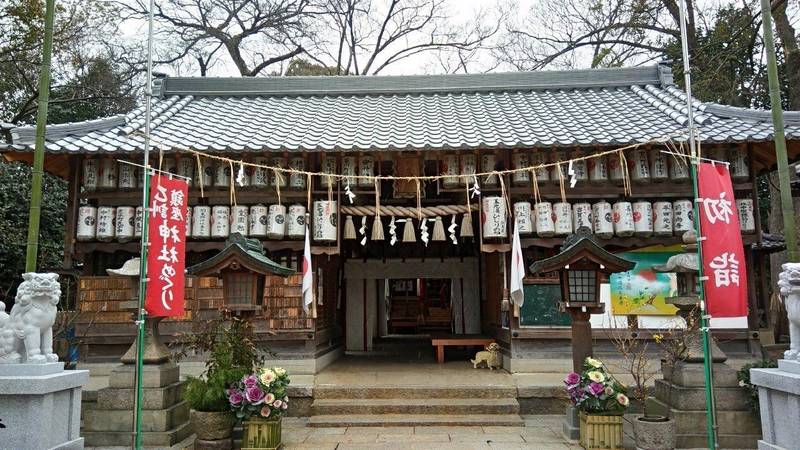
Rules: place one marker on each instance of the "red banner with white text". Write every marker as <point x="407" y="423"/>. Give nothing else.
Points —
<point x="723" y="254"/>
<point x="166" y="259"/>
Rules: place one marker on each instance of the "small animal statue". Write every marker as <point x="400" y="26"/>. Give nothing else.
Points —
<point x="26" y="335"/>
<point x="789" y="285"/>
<point x="490" y="356"/>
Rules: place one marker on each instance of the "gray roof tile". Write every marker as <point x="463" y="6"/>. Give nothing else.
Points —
<point x="504" y="110"/>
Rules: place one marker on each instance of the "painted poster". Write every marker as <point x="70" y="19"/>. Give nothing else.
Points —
<point x="640" y="291"/>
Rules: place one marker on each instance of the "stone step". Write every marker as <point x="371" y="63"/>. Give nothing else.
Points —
<point x="419" y="392"/>
<point x="157" y="440"/>
<point x="728" y="441"/>
<point x="415" y="420"/>
<point x="457" y="406"/>
<point x="728" y="422"/>
<point x="122" y="420"/>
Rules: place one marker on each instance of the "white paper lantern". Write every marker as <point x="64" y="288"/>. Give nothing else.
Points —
<point x="469" y="165"/>
<point x="678" y="168"/>
<point x="239" y="218"/>
<point x="682" y="214"/>
<point x="106" y="223"/>
<point x="522" y="215"/>
<point x="542" y="173"/>
<point x="615" y="170"/>
<point x="127" y="176"/>
<point x="520" y="161"/>
<point x="545" y="220"/>
<point x="739" y="164"/>
<point x="558" y="156"/>
<point x="297" y="180"/>
<point x="276" y="222"/>
<point x="659" y="166"/>
<point x="201" y="222"/>
<point x="261" y="175"/>
<point x="349" y="170"/>
<point x="91" y="174"/>
<point x="488" y="162"/>
<point x="247" y="176"/>
<point x="493" y="213"/>
<point x="662" y="218"/>
<point x="623" y="219"/>
<point x="258" y="221"/>
<point x="324" y="221"/>
<point x="188" y="221"/>
<point x="450" y="167"/>
<point x="186" y="168"/>
<point x="329" y="167"/>
<point x="222" y="174"/>
<point x="640" y="166"/>
<point x="296" y="222"/>
<point x="747" y="219"/>
<point x="603" y="221"/>
<point x="598" y="169"/>
<point x="108" y="174"/>
<point x="581" y="216"/>
<point x="643" y="219"/>
<point x="220" y="221"/>
<point x="207" y="175"/>
<point x="579" y="168"/>
<point x="87" y="223"/>
<point x="279" y="161"/>
<point x="366" y="168"/>
<point x="137" y="222"/>
<point x="563" y="218"/>
<point x="125" y="216"/>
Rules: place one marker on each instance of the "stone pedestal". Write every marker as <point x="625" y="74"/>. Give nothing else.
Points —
<point x="681" y="395"/>
<point x="40" y="406"/>
<point x="571" y="429"/>
<point x="165" y="416"/>
<point x="779" y="401"/>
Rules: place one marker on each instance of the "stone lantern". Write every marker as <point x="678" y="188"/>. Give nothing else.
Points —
<point x="582" y="266"/>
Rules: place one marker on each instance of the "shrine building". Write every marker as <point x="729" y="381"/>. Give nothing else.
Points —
<point x="398" y="263"/>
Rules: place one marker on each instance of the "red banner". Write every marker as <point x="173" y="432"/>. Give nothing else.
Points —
<point x="166" y="259"/>
<point x="723" y="254"/>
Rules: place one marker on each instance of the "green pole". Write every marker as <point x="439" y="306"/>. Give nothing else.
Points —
<point x="32" y="249"/>
<point x="787" y="208"/>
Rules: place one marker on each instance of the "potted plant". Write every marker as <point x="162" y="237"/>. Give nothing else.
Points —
<point x="601" y="402"/>
<point x="651" y="431"/>
<point x="231" y="354"/>
<point x="260" y="400"/>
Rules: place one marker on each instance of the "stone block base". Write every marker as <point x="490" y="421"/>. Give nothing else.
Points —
<point x="219" y="444"/>
<point x="571" y="428"/>
<point x="41" y="411"/>
<point x="779" y="401"/>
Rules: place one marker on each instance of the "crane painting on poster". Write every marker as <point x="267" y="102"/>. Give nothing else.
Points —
<point x="641" y="291"/>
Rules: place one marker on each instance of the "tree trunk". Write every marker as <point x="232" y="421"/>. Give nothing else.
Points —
<point x="788" y="41"/>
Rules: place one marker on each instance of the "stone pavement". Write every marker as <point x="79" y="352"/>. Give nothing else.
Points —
<point x="539" y="432"/>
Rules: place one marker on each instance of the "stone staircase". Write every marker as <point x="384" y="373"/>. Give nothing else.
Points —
<point x="376" y="406"/>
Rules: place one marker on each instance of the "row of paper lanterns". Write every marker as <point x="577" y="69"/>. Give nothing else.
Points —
<point x="124" y="223"/>
<point x="623" y="218"/>
<point x="643" y="166"/>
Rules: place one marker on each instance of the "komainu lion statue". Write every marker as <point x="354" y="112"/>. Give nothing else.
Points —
<point x="26" y="335"/>
<point x="490" y="356"/>
<point x="789" y="285"/>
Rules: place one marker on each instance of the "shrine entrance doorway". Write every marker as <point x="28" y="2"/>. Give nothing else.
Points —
<point x="410" y="298"/>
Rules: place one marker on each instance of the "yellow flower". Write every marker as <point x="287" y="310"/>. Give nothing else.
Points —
<point x="266" y="377"/>
<point x="596" y="376"/>
<point x="593" y="362"/>
<point x="279" y="371"/>
<point x="658" y="338"/>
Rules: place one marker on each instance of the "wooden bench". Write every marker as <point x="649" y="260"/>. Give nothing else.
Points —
<point x="440" y="342"/>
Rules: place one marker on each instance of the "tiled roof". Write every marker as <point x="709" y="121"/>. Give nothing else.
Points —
<point x="502" y="110"/>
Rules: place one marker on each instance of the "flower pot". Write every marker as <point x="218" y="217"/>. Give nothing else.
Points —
<point x="212" y="426"/>
<point x="654" y="433"/>
<point x="598" y="432"/>
<point x="260" y="433"/>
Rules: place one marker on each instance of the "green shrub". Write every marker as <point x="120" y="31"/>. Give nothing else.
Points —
<point x="743" y="375"/>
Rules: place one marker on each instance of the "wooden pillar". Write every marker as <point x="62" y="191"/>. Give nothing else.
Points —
<point x="70" y="221"/>
<point x="581" y="337"/>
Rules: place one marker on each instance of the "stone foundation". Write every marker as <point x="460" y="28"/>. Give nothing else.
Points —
<point x="779" y="398"/>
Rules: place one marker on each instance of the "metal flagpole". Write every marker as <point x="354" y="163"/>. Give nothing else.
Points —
<point x="711" y="419"/>
<point x="145" y="231"/>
